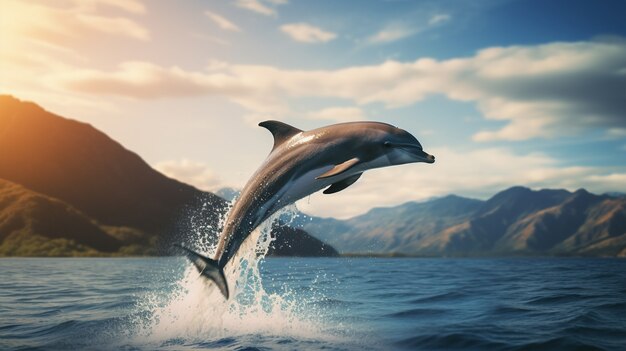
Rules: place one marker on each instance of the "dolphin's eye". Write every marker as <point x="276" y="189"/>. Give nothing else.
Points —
<point x="387" y="144"/>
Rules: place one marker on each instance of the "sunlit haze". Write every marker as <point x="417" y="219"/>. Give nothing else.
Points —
<point x="503" y="93"/>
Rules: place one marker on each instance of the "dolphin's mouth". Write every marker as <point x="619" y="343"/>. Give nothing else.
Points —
<point x="421" y="155"/>
<point x="416" y="151"/>
<point x="424" y="157"/>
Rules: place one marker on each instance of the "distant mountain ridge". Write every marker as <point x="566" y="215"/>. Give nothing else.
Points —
<point x="68" y="189"/>
<point x="516" y="221"/>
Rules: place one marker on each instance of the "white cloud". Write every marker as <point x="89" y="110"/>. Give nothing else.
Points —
<point x="191" y="172"/>
<point x="133" y="6"/>
<point x="397" y="31"/>
<point x="603" y="183"/>
<point x="209" y="38"/>
<point x="222" y="22"/>
<point x="60" y="25"/>
<point x="616" y="133"/>
<point x="116" y="25"/>
<point x="390" y="34"/>
<point x="338" y="114"/>
<point x="438" y="19"/>
<point x="539" y="91"/>
<point x="307" y="33"/>
<point x="146" y="80"/>
<point x="257" y="6"/>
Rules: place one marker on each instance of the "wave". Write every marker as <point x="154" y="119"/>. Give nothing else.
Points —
<point x="418" y="312"/>
<point x="558" y="299"/>
<point x="556" y="344"/>
<point x="459" y="340"/>
<point x="195" y="311"/>
<point x="504" y="309"/>
<point x="443" y="297"/>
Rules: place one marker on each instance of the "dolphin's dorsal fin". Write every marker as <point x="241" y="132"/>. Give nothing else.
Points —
<point x="281" y="131"/>
<point x="342" y="184"/>
<point x="340" y="168"/>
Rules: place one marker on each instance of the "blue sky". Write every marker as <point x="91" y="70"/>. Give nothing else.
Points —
<point x="502" y="92"/>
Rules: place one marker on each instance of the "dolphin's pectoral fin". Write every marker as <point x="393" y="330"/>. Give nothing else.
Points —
<point x="281" y="131"/>
<point x="208" y="268"/>
<point x="340" y="185"/>
<point x="340" y="168"/>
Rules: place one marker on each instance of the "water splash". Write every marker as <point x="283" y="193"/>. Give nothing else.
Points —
<point x="195" y="311"/>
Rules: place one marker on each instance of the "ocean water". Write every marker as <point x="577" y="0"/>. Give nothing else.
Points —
<point x="314" y="304"/>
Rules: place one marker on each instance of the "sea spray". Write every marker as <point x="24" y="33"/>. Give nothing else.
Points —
<point x="195" y="311"/>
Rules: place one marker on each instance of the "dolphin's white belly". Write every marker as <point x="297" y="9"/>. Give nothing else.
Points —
<point x="305" y="185"/>
<point x="300" y="187"/>
<point x="379" y="162"/>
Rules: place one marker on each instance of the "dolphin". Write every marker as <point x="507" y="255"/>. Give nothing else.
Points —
<point x="299" y="164"/>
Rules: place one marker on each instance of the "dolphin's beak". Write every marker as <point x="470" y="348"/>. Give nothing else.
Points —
<point x="424" y="157"/>
<point x="418" y="153"/>
<point x="415" y="151"/>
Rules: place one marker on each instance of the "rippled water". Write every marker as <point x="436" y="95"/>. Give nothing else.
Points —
<point x="315" y="303"/>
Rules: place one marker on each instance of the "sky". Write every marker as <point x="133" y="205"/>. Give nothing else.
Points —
<point x="503" y="93"/>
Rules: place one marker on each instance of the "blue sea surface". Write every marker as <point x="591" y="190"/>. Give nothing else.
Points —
<point x="316" y="303"/>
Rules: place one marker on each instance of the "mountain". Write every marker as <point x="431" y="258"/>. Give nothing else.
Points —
<point x="521" y="221"/>
<point x="296" y="242"/>
<point x="76" y="163"/>
<point x="68" y="189"/>
<point x="33" y="224"/>
<point x="516" y="221"/>
<point x="393" y="229"/>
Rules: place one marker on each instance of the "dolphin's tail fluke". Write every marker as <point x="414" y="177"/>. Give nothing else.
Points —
<point x="208" y="268"/>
